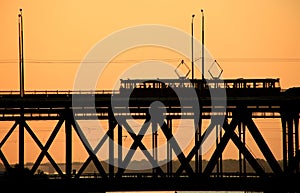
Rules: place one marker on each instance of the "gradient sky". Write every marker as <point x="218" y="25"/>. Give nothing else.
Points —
<point x="249" y="39"/>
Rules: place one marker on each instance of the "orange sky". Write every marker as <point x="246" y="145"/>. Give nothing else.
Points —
<point x="250" y="39"/>
<point x="66" y="30"/>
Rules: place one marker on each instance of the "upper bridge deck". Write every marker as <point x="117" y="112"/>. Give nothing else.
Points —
<point x="264" y="97"/>
<point x="163" y="89"/>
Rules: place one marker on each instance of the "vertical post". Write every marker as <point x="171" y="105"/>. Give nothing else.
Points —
<point x="242" y="137"/>
<point x="296" y="125"/>
<point x="199" y="137"/>
<point x="169" y="150"/>
<point x="21" y="54"/>
<point x="112" y="124"/>
<point x="240" y="153"/>
<point x="168" y="153"/>
<point x="217" y="144"/>
<point x="284" y="142"/>
<point x="21" y="71"/>
<point x="202" y="44"/>
<point x="68" y="131"/>
<point x="120" y="143"/>
<point x="221" y="157"/>
<point x="192" y="31"/>
<point x="196" y="142"/>
<point x="290" y="142"/>
<point x="154" y="142"/>
<point x="244" y="142"/>
<point x="296" y="140"/>
<point x="21" y="141"/>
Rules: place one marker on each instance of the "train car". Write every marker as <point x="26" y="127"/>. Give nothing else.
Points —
<point x="152" y="88"/>
<point x="234" y="87"/>
<point x="247" y="87"/>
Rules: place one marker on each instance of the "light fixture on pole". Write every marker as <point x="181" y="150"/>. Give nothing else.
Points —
<point x="21" y="68"/>
<point x="202" y="44"/>
<point x="21" y="54"/>
<point x="192" y="42"/>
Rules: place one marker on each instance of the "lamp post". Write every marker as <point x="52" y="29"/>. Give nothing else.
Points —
<point x="21" y="54"/>
<point x="192" y="42"/>
<point x="21" y="68"/>
<point x="202" y="44"/>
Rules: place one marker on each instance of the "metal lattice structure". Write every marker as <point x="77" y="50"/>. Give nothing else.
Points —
<point x="266" y="101"/>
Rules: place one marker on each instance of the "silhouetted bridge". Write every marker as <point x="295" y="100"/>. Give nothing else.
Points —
<point x="229" y="117"/>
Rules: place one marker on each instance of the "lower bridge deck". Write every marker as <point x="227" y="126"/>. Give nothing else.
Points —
<point x="47" y="105"/>
<point x="149" y="183"/>
<point x="58" y="105"/>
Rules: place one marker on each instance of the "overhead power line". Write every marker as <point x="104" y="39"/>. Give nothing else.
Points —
<point x="259" y="60"/>
<point x="70" y="61"/>
<point x="90" y="61"/>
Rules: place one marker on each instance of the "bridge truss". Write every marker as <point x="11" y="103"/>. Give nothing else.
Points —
<point x="239" y="117"/>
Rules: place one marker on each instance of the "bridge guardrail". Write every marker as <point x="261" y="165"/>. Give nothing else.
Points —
<point x="151" y="175"/>
<point x="66" y="92"/>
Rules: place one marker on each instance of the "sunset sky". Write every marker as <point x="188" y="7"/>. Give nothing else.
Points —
<point x="249" y="39"/>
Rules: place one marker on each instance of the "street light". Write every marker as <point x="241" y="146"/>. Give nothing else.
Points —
<point x="192" y="29"/>
<point x="21" y="68"/>
<point x="202" y="44"/>
<point x="21" y="54"/>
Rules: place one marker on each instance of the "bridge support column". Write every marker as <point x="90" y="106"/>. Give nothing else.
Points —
<point x="297" y="150"/>
<point x="284" y="142"/>
<point x="242" y="137"/>
<point x="169" y="150"/>
<point x="219" y="166"/>
<point x="120" y="144"/>
<point x="68" y="132"/>
<point x="154" y="143"/>
<point x="112" y="123"/>
<point x="290" y="140"/>
<point x="198" y="153"/>
<point x="21" y="140"/>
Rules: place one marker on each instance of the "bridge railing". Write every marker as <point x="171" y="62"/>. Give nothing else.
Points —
<point x="152" y="175"/>
<point x="56" y="92"/>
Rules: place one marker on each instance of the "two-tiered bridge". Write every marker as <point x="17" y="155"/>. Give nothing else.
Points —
<point x="245" y="100"/>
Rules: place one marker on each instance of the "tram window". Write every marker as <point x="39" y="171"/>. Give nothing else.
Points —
<point x="158" y="85"/>
<point x="270" y="85"/>
<point x="148" y="85"/>
<point x="258" y="85"/>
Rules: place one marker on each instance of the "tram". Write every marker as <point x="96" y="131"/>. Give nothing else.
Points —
<point x="233" y="87"/>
